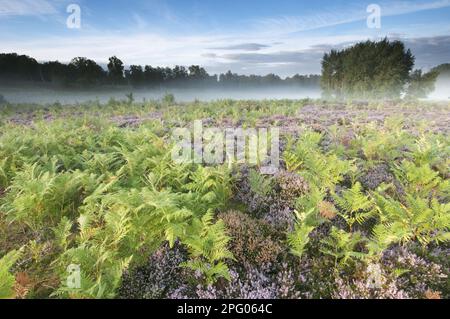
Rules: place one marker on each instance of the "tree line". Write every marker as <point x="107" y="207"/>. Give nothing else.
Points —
<point x="375" y="69"/>
<point x="443" y="70"/>
<point x="84" y="72"/>
<point x="367" y="70"/>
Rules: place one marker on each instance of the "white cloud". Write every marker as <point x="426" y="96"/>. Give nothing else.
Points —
<point x="405" y="7"/>
<point x="287" y="58"/>
<point x="274" y="48"/>
<point x="332" y="16"/>
<point x="133" y="48"/>
<point x="26" y="8"/>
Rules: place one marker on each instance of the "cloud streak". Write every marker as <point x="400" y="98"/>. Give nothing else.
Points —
<point x="332" y="16"/>
<point x="243" y="47"/>
<point x="26" y="8"/>
<point x="429" y="52"/>
<point x="259" y="50"/>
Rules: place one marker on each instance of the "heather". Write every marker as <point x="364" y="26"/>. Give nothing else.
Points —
<point x="359" y="207"/>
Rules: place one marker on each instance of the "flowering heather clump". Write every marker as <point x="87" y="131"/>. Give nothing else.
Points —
<point x="253" y="241"/>
<point x="441" y="256"/>
<point x="375" y="176"/>
<point x="280" y="216"/>
<point x="291" y="186"/>
<point x="277" y="205"/>
<point x="256" y="204"/>
<point x="254" y="283"/>
<point x="267" y="281"/>
<point x="263" y="283"/>
<point x="420" y="277"/>
<point x="154" y="280"/>
<point x="314" y="276"/>
<point x="369" y="282"/>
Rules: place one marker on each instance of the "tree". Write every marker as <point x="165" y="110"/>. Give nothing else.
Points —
<point x="197" y="73"/>
<point x="153" y="76"/>
<point x="180" y="74"/>
<point x="135" y="75"/>
<point x="14" y="67"/>
<point x="442" y="70"/>
<point x="115" y="70"/>
<point x="86" y="72"/>
<point x="420" y="85"/>
<point x="55" y="72"/>
<point x="367" y="70"/>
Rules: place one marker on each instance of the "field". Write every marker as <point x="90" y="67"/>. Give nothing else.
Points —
<point x="359" y="208"/>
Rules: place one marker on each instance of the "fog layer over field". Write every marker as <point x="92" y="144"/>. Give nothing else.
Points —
<point x="47" y="95"/>
<point x="442" y="89"/>
<point x="44" y="95"/>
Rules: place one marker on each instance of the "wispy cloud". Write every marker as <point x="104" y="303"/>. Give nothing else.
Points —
<point x="404" y="7"/>
<point x="141" y="23"/>
<point x="333" y="16"/>
<point x="271" y="47"/>
<point x="275" y="57"/>
<point x="143" y="48"/>
<point x="162" y="9"/>
<point x="429" y="52"/>
<point x="243" y="47"/>
<point x="26" y="8"/>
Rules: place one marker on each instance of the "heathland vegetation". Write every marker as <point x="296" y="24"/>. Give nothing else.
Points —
<point x="358" y="209"/>
<point x="93" y="205"/>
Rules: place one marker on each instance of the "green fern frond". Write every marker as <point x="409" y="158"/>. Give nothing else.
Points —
<point x="7" y="280"/>
<point x="342" y="246"/>
<point x="299" y="239"/>
<point x="207" y="245"/>
<point x="258" y="183"/>
<point x="356" y="207"/>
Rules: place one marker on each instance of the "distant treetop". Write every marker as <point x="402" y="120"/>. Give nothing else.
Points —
<point x="83" y="72"/>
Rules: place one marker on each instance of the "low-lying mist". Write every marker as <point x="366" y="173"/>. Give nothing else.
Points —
<point x="47" y="95"/>
<point x="442" y="89"/>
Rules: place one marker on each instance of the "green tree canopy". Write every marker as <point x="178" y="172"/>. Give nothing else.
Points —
<point x="421" y="84"/>
<point x="115" y="70"/>
<point x="367" y="70"/>
<point x="443" y="70"/>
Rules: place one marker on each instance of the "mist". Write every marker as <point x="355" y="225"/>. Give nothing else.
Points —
<point x="37" y="95"/>
<point x="442" y="89"/>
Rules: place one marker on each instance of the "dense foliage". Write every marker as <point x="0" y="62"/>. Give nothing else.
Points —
<point x="357" y="209"/>
<point x="374" y="70"/>
<point x="443" y="70"/>
<point x="83" y="72"/>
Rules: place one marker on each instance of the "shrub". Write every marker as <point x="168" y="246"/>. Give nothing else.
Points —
<point x="253" y="241"/>
<point x="416" y="275"/>
<point x="268" y="281"/>
<point x="291" y="186"/>
<point x="168" y="99"/>
<point x="160" y="275"/>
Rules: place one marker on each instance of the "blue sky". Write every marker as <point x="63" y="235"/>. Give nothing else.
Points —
<point x="248" y="36"/>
